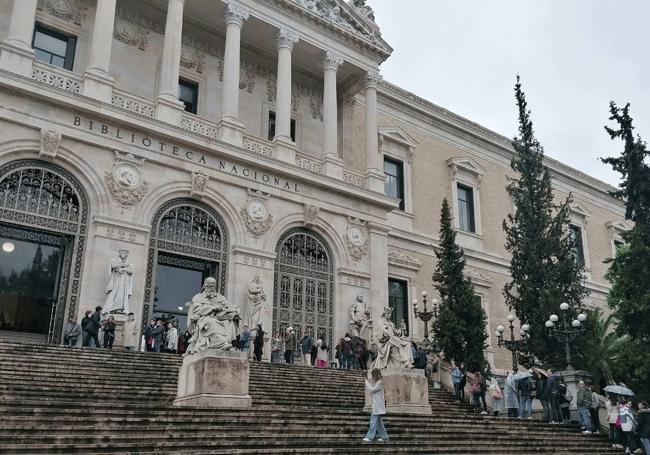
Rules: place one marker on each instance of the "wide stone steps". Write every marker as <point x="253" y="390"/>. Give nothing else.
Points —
<point x="92" y="401"/>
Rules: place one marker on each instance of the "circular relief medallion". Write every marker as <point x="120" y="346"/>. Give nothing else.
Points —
<point x="127" y="175"/>
<point x="356" y="236"/>
<point x="257" y="209"/>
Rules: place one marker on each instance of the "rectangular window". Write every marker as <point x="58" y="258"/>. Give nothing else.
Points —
<point x="618" y="244"/>
<point x="575" y="232"/>
<point x="394" y="184"/>
<point x="53" y="47"/>
<point x="188" y="94"/>
<point x="466" y="208"/>
<point x="271" y="127"/>
<point x="398" y="301"/>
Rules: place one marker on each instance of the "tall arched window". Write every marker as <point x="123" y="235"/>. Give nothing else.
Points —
<point x="188" y="243"/>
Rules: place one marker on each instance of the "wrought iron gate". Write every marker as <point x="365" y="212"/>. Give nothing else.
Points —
<point x="304" y="285"/>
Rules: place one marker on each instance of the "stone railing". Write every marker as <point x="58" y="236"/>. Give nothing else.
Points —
<point x="132" y="103"/>
<point x="354" y="178"/>
<point x="56" y="77"/>
<point x="308" y="163"/>
<point x="258" y="145"/>
<point x="198" y="125"/>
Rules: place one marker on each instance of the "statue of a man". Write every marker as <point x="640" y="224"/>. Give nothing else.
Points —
<point x="119" y="284"/>
<point x="210" y="320"/>
<point x="254" y="311"/>
<point x="359" y="318"/>
<point x="393" y="350"/>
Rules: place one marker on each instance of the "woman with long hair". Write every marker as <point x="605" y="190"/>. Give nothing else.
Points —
<point x="378" y="408"/>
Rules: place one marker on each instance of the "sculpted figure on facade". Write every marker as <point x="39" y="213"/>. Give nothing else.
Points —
<point x="119" y="284"/>
<point x="360" y="322"/>
<point x="254" y="310"/>
<point x="393" y="349"/>
<point x="210" y="320"/>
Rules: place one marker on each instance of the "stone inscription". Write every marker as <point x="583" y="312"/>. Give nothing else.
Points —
<point x="358" y="282"/>
<point x="139" y="139"/>
<point x="252" y="260"/>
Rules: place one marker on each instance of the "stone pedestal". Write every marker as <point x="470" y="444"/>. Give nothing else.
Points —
<point x="231" y="131"/>
<point x="214" y="379"/>
<point x="120" y="319"/>
<point x="571" y="379"/>
<point x="405" y="391"/>
<point x="332" y="166"/>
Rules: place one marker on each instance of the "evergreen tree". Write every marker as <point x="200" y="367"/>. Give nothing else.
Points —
<point x="629" y="296"/>
<point x="544" y="269"/>
<point x="461" y="325"/>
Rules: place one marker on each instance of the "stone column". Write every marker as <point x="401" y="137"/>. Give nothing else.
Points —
<point x="374" y="174"/>
<point x="168" y="107"/>
<point x="332" y="165"/>
<point x="285" y="148"/>
<point x="97" y="80"/>
<point x="230" y="128"/>
<point x="16" y="53"/>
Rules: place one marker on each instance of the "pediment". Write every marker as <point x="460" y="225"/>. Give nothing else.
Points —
<point x="618" y="226"/>
<point x="580" y="210"/>
<point x="398" y="135"/>
<point x="467" y="164"/>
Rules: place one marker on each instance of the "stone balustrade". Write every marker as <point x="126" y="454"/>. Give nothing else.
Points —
<point x="308" y="163"/>
<point x="258" y="145"/>
<point x="354" y="178"/>
<point x="132" y="103"/>
<point x="56" y="77"/>
<point x="198" y="125"/>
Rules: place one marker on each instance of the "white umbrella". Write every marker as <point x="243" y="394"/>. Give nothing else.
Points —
<point x="619" y="390"/>
<point x="522" y="375"/>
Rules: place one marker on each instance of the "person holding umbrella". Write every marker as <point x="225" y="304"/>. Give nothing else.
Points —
<point x="512" y="398"/>
<point x="627" y="426"/>
<point x="542" y="392"/>
<point x="524" y="388"/>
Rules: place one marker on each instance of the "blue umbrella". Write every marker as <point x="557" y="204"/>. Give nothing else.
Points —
<point x="619" y="390"/>
<point x="522" y="375"/>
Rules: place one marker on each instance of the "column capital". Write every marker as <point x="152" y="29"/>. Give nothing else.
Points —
<point x="286" y="38"/>
<point x="372" y="79"/>
<point x="332" y="60"/>
<point x="235" y="14"/>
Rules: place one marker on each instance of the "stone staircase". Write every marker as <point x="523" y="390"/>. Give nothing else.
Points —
<point x="91" y="401"/>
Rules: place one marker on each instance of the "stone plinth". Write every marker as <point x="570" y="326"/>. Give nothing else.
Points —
<point x="214" y="379"/>
<point x="120" y="319"/>
<point x="405" y="391"/>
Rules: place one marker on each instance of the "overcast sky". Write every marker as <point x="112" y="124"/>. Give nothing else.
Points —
<point x="574" y="56"/>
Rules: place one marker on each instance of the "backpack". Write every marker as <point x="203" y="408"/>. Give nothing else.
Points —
<point x="568" y="396"/>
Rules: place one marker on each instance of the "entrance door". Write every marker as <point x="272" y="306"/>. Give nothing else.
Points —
<point x="30" y="271"/>
<point x="178" y="279"/>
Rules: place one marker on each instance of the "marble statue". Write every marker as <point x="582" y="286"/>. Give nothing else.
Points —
<point x="119" y="284"/>
<point x="254" y="310"/>
<point x="210" y="320"/>
<point x="393" y="349"/>
<point x="360" y="320"/>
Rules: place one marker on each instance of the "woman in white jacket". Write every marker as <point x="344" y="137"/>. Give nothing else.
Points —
<point x="627" y="426"/>
<point x="378" y="408"/>
<point x="172" y="338"/>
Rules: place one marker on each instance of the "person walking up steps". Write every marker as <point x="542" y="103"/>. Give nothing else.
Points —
<point x="377" y="427"/>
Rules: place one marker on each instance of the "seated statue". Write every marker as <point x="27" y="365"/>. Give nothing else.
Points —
<point x="210" y="320"/>
<point x="393" y="349"/>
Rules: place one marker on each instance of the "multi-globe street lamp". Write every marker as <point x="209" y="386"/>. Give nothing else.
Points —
<point x="565" y="332"/>
<point x="425" y="316"/>
<point x="513" y="345"/>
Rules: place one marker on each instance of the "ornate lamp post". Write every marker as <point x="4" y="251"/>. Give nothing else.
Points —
<point x="426" y="316"/>
<point x="564" y="331"/>
<point x="514" y="346"/>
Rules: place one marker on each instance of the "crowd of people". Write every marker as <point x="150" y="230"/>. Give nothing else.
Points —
<point x="628" y="429"/>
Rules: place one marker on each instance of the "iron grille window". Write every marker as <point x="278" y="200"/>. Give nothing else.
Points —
<point x="394" y="184"/>
<point x="271" y="127"/>
<point x="398" y="301"/>
<point x="188" y="94"/>
<point x="466" y="208"/>
<point x="575" y="232"/>
<point x="54" y="47"/>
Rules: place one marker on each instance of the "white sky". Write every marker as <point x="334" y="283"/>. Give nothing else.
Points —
<point x="574" y="56"/>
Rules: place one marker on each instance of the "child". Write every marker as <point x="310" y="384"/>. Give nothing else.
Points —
<point x="378" y="408"/>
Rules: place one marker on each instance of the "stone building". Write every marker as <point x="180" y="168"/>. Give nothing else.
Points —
<point x="235" y="139"/>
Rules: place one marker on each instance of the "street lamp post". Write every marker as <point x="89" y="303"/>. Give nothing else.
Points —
<point x="513" y="345"/>
<point x="426" y="315"/>
<point x="564" y="331"/>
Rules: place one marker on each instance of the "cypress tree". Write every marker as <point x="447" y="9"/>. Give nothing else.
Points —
<point x="544" y="269"/>
<point x="630" y="269"/>
<point x="461" y="326"/>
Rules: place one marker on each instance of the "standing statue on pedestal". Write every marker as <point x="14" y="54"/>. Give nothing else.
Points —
<point x="254" y="311"/>
<point x="360" y="322"/>
<point x="210" y="320"/>
<point x="393" y="349"/>
<point x="119" y="284"/>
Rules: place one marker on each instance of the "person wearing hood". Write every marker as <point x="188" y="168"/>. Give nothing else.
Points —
<point x="512" y="398"/>
<point x="496" y="395"/>
<point x="643" y="426"/>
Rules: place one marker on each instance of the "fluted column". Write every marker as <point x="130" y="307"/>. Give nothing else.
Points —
<point x="332" y="165"/>
<point x="285" y="147"/>
<point x="374" y="175"/>
<point x="168" y="107"/>
<point x="16" y="53"/>
<point x="230" y="128"/>
<point x="98" y="82"/>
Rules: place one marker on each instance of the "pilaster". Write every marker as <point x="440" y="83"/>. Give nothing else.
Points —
<point x="97" y="80"/>
<point x="16" y="53"/>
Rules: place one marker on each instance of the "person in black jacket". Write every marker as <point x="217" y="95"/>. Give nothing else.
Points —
<point x="258" y="343"/>
<point x="158" y="334"/>
<point x="90" y="326"/>
<point x="109" y="332"/>
<point x="643" y="426"/>
<point x="542" y="394"/>
<point x="525" y="401"/>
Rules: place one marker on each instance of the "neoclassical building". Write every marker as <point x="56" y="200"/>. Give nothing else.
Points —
<point x="237" y="139"/>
